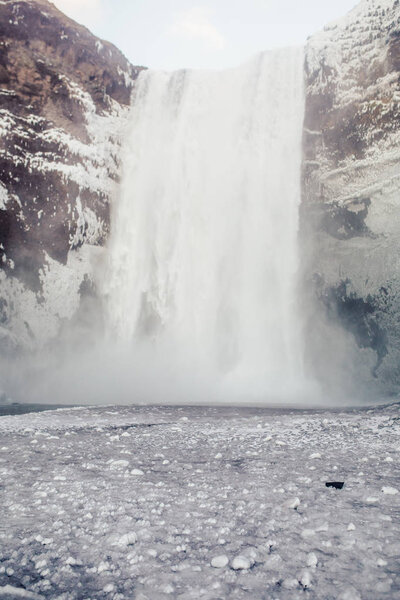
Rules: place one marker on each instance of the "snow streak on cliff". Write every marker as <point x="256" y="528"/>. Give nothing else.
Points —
<point x="203" y="252"/>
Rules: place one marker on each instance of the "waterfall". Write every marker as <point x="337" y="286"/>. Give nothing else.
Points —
<point x="201" y="282"/>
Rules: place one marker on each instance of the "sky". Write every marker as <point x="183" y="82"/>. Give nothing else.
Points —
<point x="175" y="34"/>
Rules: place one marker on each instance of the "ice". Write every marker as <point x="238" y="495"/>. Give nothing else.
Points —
<point x="290" y="584"/>
<point x="315" y="455"/>
<point x="294" y="503"/>
<point x="390" y="490"/>
<point x="305" y="579"/>
<point x="312" y="560"/>
<point x="219" y="562"/>
<point x="128" y="539"/>
<point x="163" y="533"/>
<point x="119" y="464"/>
<point x="9" y="592"/>
<point x="240" y="562"/>
<point x="350" y="594"/>
<point x="137" y="472"/>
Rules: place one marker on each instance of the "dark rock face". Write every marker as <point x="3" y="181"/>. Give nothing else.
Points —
<point x="64" y="96"/>
<point x="350" y="214"/>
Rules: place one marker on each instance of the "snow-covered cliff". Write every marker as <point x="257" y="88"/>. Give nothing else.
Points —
<point x="351" y="184"/>
<point x="64" y="98"/>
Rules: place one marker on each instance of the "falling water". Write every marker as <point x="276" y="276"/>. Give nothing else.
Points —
<point x="201" y="285"/>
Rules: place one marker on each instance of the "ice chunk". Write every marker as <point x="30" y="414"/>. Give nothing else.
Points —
<point x="9" y="592"/>
<point x="292" y="503"/>
<point x="273" y="562"/>
<point x="381" y="563"/>
<point x="349" y="594"/>
<point x="305" y="578"/>
<point x="290" y="584"/>
<point x="307" y="533"/>
<point x="240" y="563"/>
<point x="219" y="562"/>
<point x="312" y="560"/>
<point x="128" y="539"/>
<point x="119" y="464"/>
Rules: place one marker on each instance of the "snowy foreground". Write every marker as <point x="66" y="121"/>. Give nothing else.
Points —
<point x="200" y="503"/>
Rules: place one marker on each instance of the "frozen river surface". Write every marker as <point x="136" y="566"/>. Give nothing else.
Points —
<point x="200" y="503"/>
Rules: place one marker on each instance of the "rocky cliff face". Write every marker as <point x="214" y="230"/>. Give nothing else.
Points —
<point x="351" y="185"/>
<point x="64" y="97"/>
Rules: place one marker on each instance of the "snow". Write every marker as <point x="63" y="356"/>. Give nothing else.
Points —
<point x="3" y="197"/>
<point x="59" y="300"/>
<point x="351" y="48"/>
<point x="209" y="523"/>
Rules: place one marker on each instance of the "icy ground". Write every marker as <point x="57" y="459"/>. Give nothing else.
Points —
<point x="200" y="503"/>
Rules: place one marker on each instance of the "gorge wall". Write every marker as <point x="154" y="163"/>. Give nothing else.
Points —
<point x="64" y="98"/>
<point x="351" y="187"/>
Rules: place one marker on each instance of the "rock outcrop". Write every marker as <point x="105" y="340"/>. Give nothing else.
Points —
<point x="64" y="97"/>
<point x="351" y="186"/>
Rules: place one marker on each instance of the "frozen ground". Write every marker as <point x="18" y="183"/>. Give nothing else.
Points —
<point x="139" y="503"/>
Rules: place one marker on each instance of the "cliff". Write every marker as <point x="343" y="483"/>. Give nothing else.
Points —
<point x="351" y="187"/>
<point x="64" y="97"/>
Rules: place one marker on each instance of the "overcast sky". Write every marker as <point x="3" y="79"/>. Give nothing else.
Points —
<point x="172" y="34"/>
